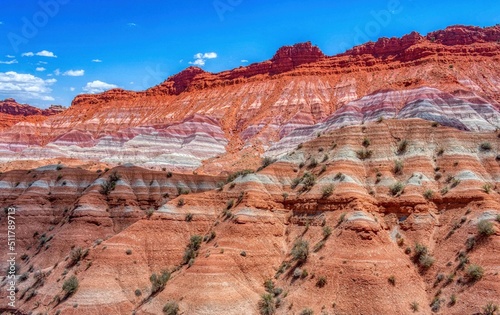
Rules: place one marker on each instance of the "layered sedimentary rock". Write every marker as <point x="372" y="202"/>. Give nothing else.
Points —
<point x="449" y="182"/>
<point x="12" y="112"/>
<point x="449" y="76"/>
<point x="382" y="166"/>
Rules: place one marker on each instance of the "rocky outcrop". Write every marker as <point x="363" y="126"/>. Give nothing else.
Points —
<point x="361" y="232"/>
<point x="9" y="106"/>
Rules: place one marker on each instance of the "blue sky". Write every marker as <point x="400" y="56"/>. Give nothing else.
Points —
<point x="53" y="50"/>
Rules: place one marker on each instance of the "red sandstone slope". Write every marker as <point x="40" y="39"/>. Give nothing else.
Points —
<point x="289" y="59"/>
<point x="362" y="175"/>
<point x="452" y="74"/>
<point x="12" y="112"/>
<point x="250" y="225"/>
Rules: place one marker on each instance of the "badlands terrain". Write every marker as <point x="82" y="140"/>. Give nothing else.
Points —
<point x="362" y="183"/>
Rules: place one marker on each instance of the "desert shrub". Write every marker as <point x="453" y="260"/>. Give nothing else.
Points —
<point x="300" y="250"/>
<point x="110" y="184"/>
<point x="455" y="182"/>
<point x="453" y="299"/>
<point x="440" y="151"/>
<point x="414" y="306"/>
<point x="366" y="142"/>
<point x="341" y="219"/>
<point x="159" y="281"/>
<point x="229" y="204"/>
<point x="266" y="162"/>
<point x="485" y="228"/>
<point x="189" y="217"/>
<point x="313" y="163"/>
<point x="77" y="254"/>
<point x="364" y="154"/>
<point x="192" y="248"/>
<point x="138" y="292"/>
<point x="70" y="286"/>
<point x="485" y="146"/>
<point x="181" y="202"/>
<point x="243" y="253"/>
<point x="210" y="236"/>
<point x="392" y="280"/>
<point x="321" y="282"/>
<point x="444" y="191"/>
<point x="308" y="181"/>
<point x="325" y="158"/>
<point x="435" y="304"/>
<point x="23" y="277"/>
<point x="327" y="191"/>
<point x="426" y="261"/>
<point x="306" y="311"/>
<point x="182" y="191"/>
<point x="169" y="174"/>
<point x="284" y="195"/>
<point x="398" y="167"/>
<point x="327" y="231"/>
<point x="323" y="169"/>
<point x="267" y="304"/>
<point x="402" y="146"/>
<point x="318" y="246"/>
<point x="220" y="186"/>
<point x="490" y="309"/>
<point x="420" y="250"/>
<point x="470" y="243"/>
<point x="128" y="252"/>
<point x="269" y="285"/>
<point x="295" y="182"/>
<point x="339" y="176"/>
<point x="397" y="188"/>
<point x="428" y="194"/>
<point x="171" y="308"/>
<point x="487" y="188"/>
<point x="475" y="273"/>
<point x="297" y="273"/>
<point x="237" y="174"/>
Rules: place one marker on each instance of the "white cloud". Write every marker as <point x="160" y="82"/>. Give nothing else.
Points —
<point x="198" y="62"/>
<point x="10" y="56"/>
<point x="72" y="89"/>
<point x="244" y="60"/>
<point x="210" y="55"/>
<point x="98" y="87"/>
<point x="45" y="53"/>
<point x="97" y="60"/>
<point x="41" y="69"/>
<point x="131" y="24"/>
<point x="57" y="72"/>
<point x="74" y="73"/>
<point x="25" y="86"/>
<point x="200" y="58"/>
<point x="42" y="63"/>
<point x="9" y="62"/>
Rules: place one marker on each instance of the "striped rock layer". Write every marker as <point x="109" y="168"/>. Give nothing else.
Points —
<point x="195" y="118"/>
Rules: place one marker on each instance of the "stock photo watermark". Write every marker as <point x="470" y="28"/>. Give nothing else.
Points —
<point x="31" y="26"/>
<point x="222" y="7"/>
<point x="11" y="256"/>
<point x="372" y="29"/>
